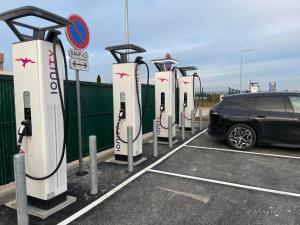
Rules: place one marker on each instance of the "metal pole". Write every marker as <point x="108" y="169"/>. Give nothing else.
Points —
<point x="130" y="148"/>
<point x="200" y="118"/>
<point x="241" y="71"/>
<point x="155" y="150"/>
<point x="93" y="165"/>
<point x="80" y="169"/>
<point x="21" y="192"/>
<point x="193" y="122"/>
<point x="126" y="26"/>
<point x="170" y="131"/>
<point x="202" y="98"/>
<point x="182" y="125"/>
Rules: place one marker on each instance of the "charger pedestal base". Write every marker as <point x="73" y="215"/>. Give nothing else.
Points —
<point x="44" y="213"/>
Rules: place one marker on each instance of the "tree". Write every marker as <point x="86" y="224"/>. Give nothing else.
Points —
<point x="98" y="79"/>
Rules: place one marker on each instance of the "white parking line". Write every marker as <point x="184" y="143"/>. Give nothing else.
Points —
<point x="243" y="152"/>
<point x="120" y="186"/>
<point x="227" y="183"/>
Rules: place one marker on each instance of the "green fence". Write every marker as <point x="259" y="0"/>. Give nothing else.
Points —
<point x="232" y="91"/>
<point x="7" y="129"/>
<point x="97" y="119"/>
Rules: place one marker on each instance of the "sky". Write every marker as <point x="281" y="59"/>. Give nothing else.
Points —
<point x="209" y="34"/>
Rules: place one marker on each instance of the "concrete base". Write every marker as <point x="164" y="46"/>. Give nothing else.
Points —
<point x="189" y="130"/>
<point x="166" y="142"/>
<point x="43" y="214"/>
<point x="112" y="160"/>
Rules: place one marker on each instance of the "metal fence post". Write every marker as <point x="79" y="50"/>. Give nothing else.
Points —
<point x="193" y="122"/>
<point x="170" y="131"/>
<point x="21" y="192"/>
<point x="155" y="150"/>
<point x="200" y="118"/>
<point x="130" y="148"/>
<point x="182" y="125"/>
<point x="93" y="165"/>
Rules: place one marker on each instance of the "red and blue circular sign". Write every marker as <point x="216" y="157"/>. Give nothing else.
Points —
<point x="78" y="33"/>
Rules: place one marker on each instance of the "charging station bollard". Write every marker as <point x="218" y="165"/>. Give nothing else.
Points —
<point x="93" y="165"/>
<point x="155" y="149"/>
<point x="21" y="193"/>
<point x="130" y="148"/>
<point x="182" y="125"/>
<point x="193" y="122"/>
<point x="200" y="118"/>
<point x="170" y="131"/>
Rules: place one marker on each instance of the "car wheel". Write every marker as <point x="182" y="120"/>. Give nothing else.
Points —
<point x="241" y="137"/>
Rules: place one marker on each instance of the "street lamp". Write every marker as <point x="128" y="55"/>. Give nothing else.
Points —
<point x="126" y="27"/>
<point x="241" y="73"/>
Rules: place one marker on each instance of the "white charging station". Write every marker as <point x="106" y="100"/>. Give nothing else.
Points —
<point x="186" y="84"/>
<point x="127" y="100"/>
<point x="38" y="91"/>
<point x="165" y="80"/>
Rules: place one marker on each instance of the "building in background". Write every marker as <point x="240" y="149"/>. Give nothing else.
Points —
<point x="254" y="87"/>
<point x="2" y="72"/>
<point x="272" y="86"/>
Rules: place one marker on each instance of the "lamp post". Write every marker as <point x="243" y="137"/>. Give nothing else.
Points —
<point x="126" y="26"/>
<point x="241" y="73"/>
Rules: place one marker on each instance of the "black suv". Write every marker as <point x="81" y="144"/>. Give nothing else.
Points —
<point x="261" y="118"/>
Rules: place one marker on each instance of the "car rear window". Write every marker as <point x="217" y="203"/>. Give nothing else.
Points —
<point x="295" y="100"/>
<point x="244" y="102"/>
<point x="248" y="102"/>
<point x="273" y="104"/>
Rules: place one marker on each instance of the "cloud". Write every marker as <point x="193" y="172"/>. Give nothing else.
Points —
<point x="208" y="34"/>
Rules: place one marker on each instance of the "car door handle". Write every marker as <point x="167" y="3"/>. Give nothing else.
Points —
<point x="259" y="116"/>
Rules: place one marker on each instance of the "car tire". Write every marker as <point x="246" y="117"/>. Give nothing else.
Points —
<point x="241" y="137"/>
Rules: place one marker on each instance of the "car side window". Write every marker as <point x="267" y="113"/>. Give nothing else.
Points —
<point x="271" y="104"/>
<point x="295" y="100"/>
<point x="248" y="102"/>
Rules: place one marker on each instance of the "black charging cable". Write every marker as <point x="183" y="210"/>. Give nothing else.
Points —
<point x="195" y="75"/>
<point x="139" y="61"/>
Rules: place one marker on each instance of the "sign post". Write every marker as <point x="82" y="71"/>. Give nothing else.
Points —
<point x="79" y="37"/>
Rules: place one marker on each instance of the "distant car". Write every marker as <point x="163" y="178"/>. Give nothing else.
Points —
<point x="262" y="118"/>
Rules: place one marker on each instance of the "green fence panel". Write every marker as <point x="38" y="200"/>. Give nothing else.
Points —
<point x="232" y="91"/>
<point x="7" y="129"/>
<point x="97" y="116"/>
<point x="149" y="107"/>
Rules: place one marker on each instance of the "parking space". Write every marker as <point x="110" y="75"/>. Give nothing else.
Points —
<point x="161" y="199"/>
<point x="282" y="174"/>
<point x="200" y="181"/>
<point x="195" y="184"/>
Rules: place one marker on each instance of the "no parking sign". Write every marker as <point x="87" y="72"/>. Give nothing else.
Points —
<point x="79" y="37"/>
<point x="78" y="33"/>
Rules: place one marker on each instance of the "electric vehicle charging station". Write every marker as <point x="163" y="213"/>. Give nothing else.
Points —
<point x="127" y="100"/>
<point x="39" y="65"/>
<point x="165" y="79"/>
<point x="186" y="85"/>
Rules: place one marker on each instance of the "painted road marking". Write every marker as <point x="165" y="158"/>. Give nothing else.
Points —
<point x="243" y="152"/>
<point x="120" y="186"/>
<point x="204" y="199"/>
<point x="227" y="183"/>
